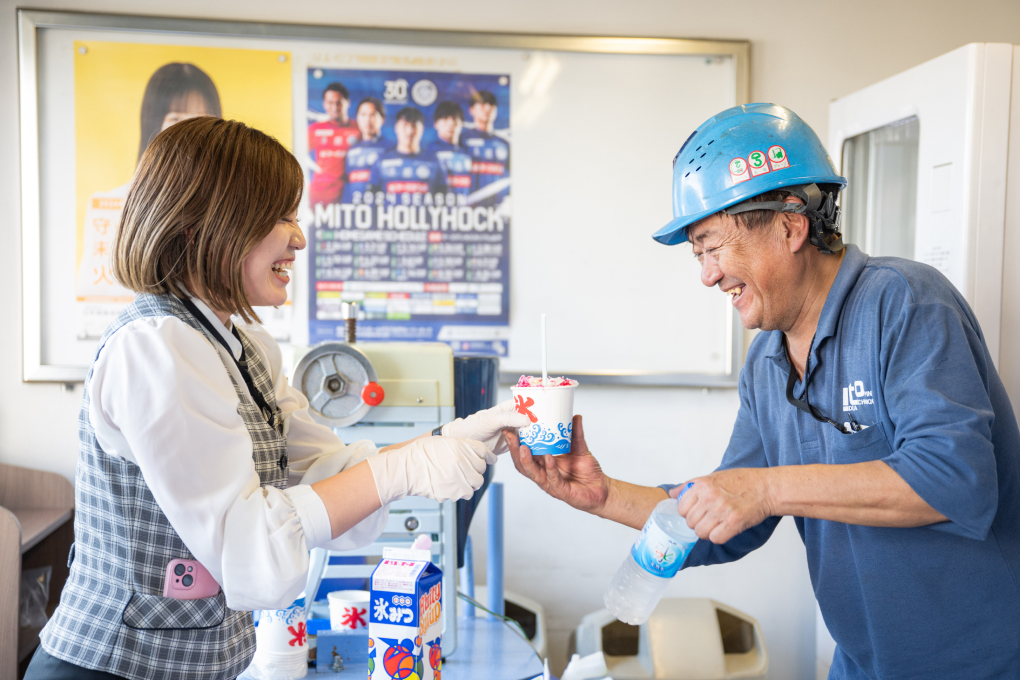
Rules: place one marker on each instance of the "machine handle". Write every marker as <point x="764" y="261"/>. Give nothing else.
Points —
<point x="373" y="394"/>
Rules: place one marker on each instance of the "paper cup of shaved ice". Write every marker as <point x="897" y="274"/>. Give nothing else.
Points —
<point x="550" y="407"/>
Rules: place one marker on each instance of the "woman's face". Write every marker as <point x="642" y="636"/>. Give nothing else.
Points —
<point x="266" y="270"/>
<point x="191" y="105"/>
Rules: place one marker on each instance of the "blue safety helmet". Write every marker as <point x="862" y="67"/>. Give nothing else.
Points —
<point x="748" y="150"/>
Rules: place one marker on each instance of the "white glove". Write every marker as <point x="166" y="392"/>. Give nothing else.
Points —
<point x="440" y="468"/>
<point x="487" y="426"/>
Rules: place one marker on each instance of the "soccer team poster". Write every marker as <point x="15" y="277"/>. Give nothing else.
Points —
<point x="409" y="186"/>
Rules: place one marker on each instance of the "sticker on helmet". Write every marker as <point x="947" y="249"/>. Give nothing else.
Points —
<point x="758" y="164"/>
<point x="778" y="158"/>
<point x="739" y="171"/>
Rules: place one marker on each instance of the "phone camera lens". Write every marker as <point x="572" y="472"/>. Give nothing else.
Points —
<point x="188" y="580"/>
<point x="179" y="569"/>
<point x="189" y="570"/>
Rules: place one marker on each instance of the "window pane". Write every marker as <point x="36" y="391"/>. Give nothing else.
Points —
<point x="880" y="200"/>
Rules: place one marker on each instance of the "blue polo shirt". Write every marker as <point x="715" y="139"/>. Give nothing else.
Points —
<point x="899" y="349"/>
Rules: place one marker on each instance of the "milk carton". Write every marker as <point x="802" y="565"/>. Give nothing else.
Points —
<point x="405" y="617"/>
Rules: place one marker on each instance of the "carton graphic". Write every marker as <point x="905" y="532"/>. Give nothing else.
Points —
<point x="405" y="617"/>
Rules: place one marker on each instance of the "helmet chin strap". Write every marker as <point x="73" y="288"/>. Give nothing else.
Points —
<point x="819" y="207"/>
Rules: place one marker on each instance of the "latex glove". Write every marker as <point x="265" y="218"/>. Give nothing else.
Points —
<point x="487" y="426"/>
<point x="440" y="468"/>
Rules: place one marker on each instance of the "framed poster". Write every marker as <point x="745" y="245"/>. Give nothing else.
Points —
<point x="124" y="95"/>
<point x="410" y="194"/>
<point x="458" y="185"/>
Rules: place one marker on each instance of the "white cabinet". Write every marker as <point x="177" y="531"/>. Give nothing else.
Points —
<point x="932" y="156"/>
<point x="925" y="153"/>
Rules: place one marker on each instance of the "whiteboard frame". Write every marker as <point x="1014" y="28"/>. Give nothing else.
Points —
<point x="30" y="21"/>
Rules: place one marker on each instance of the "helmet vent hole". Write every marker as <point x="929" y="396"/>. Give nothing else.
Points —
<point x="687" y="175"/>
<point x="690" y="161"/>
<point x="697" y="150"/>
<point x="710" y="143"/>
<point x="697" y="168"/>
<point x="702" y="155"/>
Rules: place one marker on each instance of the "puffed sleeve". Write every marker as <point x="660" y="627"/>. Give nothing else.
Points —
<point x="162" y="399"/>
<point x="315" y="452"/>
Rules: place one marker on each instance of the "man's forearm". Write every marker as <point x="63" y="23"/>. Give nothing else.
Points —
<point x="630" y="504"/>
<point x="870" y="494"/>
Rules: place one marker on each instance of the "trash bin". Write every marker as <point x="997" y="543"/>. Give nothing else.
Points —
<point x="684" y="639"/>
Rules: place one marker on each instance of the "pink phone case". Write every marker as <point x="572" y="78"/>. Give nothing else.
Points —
<point x="188" y="580"/>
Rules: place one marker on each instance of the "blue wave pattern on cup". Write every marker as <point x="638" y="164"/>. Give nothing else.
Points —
<point x="546" y="440"/>
<point x="657" y="553"/>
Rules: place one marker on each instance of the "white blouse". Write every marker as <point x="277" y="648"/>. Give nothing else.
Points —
<point x="160" y="398"/>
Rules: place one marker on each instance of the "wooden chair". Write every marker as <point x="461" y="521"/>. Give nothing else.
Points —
<point x="36" y="530"/>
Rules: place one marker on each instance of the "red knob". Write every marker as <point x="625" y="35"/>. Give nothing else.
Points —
<point x="373" y="394"/>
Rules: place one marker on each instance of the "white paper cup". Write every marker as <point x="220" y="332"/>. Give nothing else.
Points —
<point x="348" y="610"/>
<point x="551" y="410"/>
<point x="281" y="643"/>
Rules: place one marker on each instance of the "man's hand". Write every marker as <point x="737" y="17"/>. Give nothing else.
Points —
<point x="575" y="478"/>
<point x="725" y="503"/>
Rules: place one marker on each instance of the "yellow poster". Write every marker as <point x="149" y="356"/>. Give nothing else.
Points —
<point x="125" y="94"/>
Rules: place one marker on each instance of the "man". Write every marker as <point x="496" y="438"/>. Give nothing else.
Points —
<point x="490" y="168"/>
<point x="448" y="121"/>
<point x="870" y="410"/>
<point x="404" y="173"/>
<point x="370" y="116"/>
<point x="328" y="142"/>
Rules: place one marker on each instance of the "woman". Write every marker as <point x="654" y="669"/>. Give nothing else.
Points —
<point x="191" y="437"/>
<point x="175" y="92"/>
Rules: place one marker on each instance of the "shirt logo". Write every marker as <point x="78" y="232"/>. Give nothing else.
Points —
<point x="407" y="188"/>
<point x="854" y="396"/>
<point x="483" y="168"/>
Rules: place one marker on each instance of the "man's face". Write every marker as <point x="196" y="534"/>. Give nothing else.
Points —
<point x="369" y="121"/>
<point x="449" y="128"/>
<point x="755" y="267"/>
<point x="408" y="135"/>
<point x="335" y="106"/>
<point x="484" y="114"/>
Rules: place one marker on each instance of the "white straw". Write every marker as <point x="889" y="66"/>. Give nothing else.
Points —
<point x="545" y="369"/>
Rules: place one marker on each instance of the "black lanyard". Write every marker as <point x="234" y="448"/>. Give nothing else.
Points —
<point x="268" y="413"/>
<point x="805" y="405"/>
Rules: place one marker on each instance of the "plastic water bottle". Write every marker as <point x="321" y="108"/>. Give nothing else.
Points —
<point x="654" y="559"/>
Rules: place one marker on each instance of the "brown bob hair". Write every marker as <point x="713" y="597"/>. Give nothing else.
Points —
<point x="206" y="192"/>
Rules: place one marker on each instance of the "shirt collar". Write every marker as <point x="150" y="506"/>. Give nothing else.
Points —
<point x="225" y="331"/>
<point x="850" y="269"/>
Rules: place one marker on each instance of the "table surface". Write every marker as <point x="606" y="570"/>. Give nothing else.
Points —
<point x="486" y="648"/>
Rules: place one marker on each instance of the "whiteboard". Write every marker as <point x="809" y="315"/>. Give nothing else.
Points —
<point x="592" y="175"/>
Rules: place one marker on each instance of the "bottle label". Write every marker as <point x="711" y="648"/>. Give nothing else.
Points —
<point x="658" y="553"/>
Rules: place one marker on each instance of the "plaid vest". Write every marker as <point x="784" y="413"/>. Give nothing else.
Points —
<point x="112" y="614"/>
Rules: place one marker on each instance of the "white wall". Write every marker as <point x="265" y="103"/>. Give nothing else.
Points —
<point x="803" y="55"/>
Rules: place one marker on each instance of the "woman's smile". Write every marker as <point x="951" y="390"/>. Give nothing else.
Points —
<point x="282" y="270"/>
<point x="266" y="270"/>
